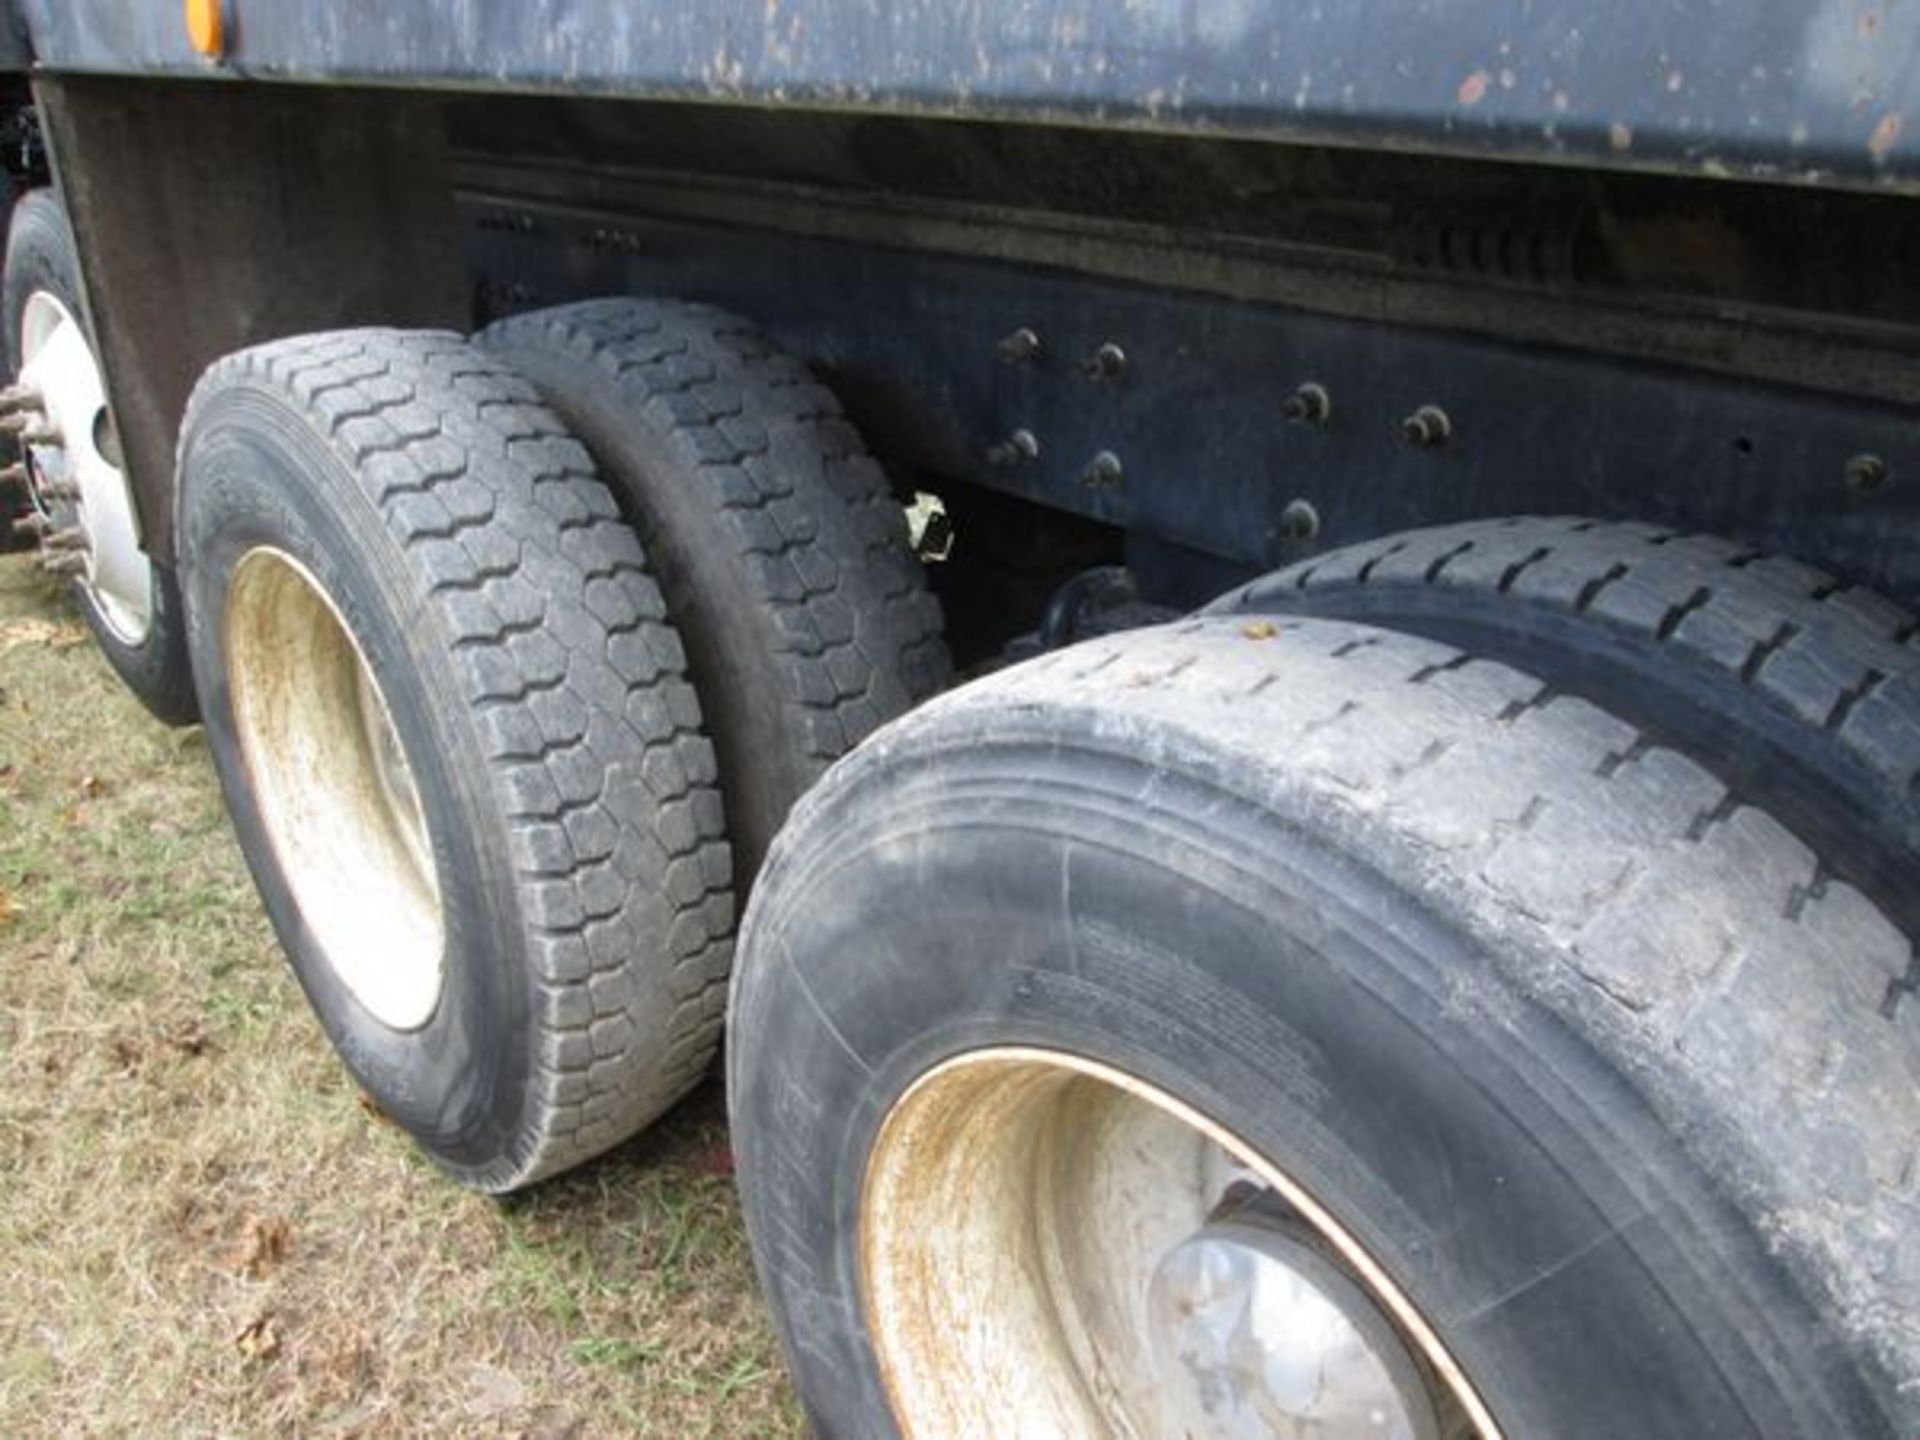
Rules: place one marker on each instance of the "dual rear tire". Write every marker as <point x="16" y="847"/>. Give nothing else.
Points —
<point x="1491" y="1020"/>
<point x="467" y="743"/>
<point x="457" y="741"/>
<point x="1475" y="1040"/>
<point x="1558" y="1054"/>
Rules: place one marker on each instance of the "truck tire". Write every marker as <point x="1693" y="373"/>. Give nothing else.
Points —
<point x="1310" y="961"/>
<point x="16" y="500"/>
<point x="783" y="555"/>
<point x="457" y="742"/>
<point x="129" y="601"/>
<point x="1800" y="692"/>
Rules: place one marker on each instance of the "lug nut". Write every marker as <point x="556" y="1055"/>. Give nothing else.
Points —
<point x="1108" y="363"/>
<point x="30" y="427"/>
<point x="1019" y="347"/>
<point x="1426" y="427"/>
<point x="1299" y="521"/>
<point x="1017" y="449"/>
<point x="64" y="562"/>
<point x="1865" y="474"/>
<point x="1309" y="405"/>
<point x="1104" y="472"/>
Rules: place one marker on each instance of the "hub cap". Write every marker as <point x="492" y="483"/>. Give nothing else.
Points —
<point x="334" y="790"/>
<point x="58" y="362"/>
<point x="1257" y="1332"/>
<point x="1049" y="1246"/>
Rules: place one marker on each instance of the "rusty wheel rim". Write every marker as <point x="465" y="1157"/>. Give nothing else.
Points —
<point x="333" y="788"/>
<point x="1051" y="1246"/>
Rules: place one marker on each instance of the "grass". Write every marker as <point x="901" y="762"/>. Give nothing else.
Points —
<point x="203" y="1228"/>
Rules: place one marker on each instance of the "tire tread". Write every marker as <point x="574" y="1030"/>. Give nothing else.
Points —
<point x="575" y="680"/>
<point x="1757" y="1002"/>
<point x="858" y="634"/>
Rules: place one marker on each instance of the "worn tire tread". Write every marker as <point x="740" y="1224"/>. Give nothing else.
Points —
<point x="1836" y="667"/>
<point x="1691" y="940"/>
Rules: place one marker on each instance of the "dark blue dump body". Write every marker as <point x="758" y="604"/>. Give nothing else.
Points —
<point x="1808" y="91"/>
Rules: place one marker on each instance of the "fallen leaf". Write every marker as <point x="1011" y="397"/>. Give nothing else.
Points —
<point x="92" y="786"/>
<point x="1260" y="630"/>
<point x="57" y="636"/>
<point x="263" y="1245"/>
<point x="337" y="1366"/>
<point x="9" y="910"/>
<point x="492" y="1391"/>
<point x="189" y="1038"/>
<point x="259" y="1339"/>
<point x="26" y="632"/>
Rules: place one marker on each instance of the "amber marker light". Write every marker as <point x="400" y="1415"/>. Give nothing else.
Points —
<point x="206" y="27"/>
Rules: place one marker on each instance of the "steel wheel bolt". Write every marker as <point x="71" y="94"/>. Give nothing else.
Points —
<point x="64" y="562"/>
<point x="1426" y="427"/>
<point x="1022" y="345"/>
<point x="1108" y="363"/>
<point x="18" y="398"/>
<point x="1103" y="472"/>
<point x="1866" y="473"/>
<point x="1299" y="521"/>
<point x="1309" y="405"/>
<point x="1017" y="449"/>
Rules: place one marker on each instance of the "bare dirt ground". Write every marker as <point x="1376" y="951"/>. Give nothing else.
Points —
<point x="205" y="1231"/>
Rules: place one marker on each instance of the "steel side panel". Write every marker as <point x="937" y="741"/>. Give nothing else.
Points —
<point x="1821" y="92"/>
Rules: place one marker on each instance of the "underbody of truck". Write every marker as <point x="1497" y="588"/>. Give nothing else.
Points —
<point x="1408" y="929"/>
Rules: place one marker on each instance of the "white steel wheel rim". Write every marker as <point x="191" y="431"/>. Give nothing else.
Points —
<point x="1031" y="1227"/>
<point x="333" y="789"/>
<point x="57" y="362"/>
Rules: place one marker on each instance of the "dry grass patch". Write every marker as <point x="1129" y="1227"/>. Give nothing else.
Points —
<point x="205" y="1230"/>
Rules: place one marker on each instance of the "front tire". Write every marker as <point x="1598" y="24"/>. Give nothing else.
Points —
<point x="1564" y="1042"/>
<point x="129" y="601"/>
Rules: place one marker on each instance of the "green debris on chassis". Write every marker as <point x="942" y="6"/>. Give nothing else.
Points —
<point x="1257" y="664"/>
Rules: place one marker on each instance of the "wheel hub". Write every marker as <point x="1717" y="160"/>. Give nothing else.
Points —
<point x="334" y="789"/>
<point x="1257" y="1333"/>
<point x="82" y="494"/>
